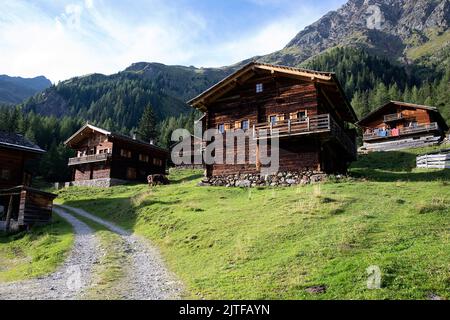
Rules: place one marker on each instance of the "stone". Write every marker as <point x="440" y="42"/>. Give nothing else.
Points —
<point x="243" y="184"/>
<point x="316" y="289"/>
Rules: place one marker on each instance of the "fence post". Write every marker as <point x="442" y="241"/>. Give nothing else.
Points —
<point x="9" y="213"/>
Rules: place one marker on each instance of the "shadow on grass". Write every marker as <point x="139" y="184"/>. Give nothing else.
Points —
<point x="186" y="178"/>
<point x="394" y="166"/>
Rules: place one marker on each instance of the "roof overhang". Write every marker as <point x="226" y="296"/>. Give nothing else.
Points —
<point x="248" y="71"/>
<point x="83" y="132"/>
<point x="21" y="148"/>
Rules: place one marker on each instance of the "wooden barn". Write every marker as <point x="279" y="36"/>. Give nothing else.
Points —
<point x="308" y="110"/>
<point x="399" y="125"/>
<point x="20" y="205"/>
<point x="105" y="158"/>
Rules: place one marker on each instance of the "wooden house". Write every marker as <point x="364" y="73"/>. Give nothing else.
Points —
<point x="20" y="205"/>
<point x="194" y="153"/>
<point x="306" y="109"/>
<point x="105" y="158"/>
<point x="399" y="125"/>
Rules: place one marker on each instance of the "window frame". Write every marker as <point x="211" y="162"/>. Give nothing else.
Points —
<point x="247" y="121"/>
<point x="124" y="153"/>
<point x="5" y="174"/>
<point x="219" y="126"/>
<point x="274" y="116"/>
<point x="259" y="87"/>
<point x="302" y="118"/>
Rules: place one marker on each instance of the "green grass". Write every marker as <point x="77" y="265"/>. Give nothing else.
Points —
<point x="275" y="243"/>
<point x="35" y="253"/>
<point x="437" y="42"/>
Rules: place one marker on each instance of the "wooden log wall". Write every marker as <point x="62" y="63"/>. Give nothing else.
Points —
<point x="281" y="97"/>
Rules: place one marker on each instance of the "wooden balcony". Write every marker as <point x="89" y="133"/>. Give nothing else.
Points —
<point x="102" y="157"/>
<point x="423" y="128"/>
<point x="323" y="123"/>
<point x="393" y="117"/>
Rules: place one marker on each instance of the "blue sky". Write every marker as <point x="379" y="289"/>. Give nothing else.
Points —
<point x="65" y="38"/>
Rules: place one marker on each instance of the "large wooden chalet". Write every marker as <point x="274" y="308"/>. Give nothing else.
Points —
<point x="105" y="158"/>
<point x="20" y="205"/>
<point x="307" y="109"/>
<point x="399" y="125"/>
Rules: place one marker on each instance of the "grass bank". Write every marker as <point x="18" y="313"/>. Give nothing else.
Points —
<point x="279" y="243"/>
<point x="35" y="253"/>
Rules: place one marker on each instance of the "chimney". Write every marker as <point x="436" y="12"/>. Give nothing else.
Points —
<point x="134" y="136"/>
<point x="152" y="142"/>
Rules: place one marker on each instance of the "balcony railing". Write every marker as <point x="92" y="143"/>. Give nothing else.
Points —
<point x="402" y="131"/>
<point x="89" y="159"/>
<point x="311" y="125"/>
<point x="393" y="117"/>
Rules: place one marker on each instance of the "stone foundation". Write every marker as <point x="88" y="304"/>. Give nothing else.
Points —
<point x="282" y="179"/>
<point x="97" y="183"/>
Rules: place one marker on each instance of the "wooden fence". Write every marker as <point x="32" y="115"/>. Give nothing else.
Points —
<point x="434" y="161"/>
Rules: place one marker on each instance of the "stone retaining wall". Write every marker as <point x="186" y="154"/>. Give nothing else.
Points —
<point x="282" y="179"/>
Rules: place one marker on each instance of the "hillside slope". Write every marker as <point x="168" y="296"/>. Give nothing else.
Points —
<point x="14" y="90"/>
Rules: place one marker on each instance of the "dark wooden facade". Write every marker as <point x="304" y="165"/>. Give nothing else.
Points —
<point x="20" y="205"/>
<point x="307" y="108"/>
<point x="193" y="153"/>
<point x="105" y="155"/>
<point x="398" y="125"/>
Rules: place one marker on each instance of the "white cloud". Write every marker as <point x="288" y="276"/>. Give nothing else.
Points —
<point x="87" y="36"/>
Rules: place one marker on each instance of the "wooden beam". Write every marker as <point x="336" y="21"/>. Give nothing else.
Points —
<point x="297" y="72"/>
<point x="9" y="213"/>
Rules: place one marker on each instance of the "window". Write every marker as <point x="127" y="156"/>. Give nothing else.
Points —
<point x="221" y="128"/>
<point x="259" y="88"/>
<point x="5" y="174"/>
<point x="245" y="125"/>
<point x="157" y="162"/>
<point x="125" y="153"/>
<point x="143" y="157"/>
<point x="131" y="173"/>
<point x="302" y="115"/>
<point x="273" y="120"/>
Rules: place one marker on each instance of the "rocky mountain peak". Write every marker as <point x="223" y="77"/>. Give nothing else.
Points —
<point x="388" y="27"/>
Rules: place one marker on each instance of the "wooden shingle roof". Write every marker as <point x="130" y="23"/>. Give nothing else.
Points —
<point x="17" y="141"/>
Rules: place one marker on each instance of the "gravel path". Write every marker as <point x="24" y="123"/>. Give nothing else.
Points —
<point x="146" y="277"/>
<point x="70" y="280"/>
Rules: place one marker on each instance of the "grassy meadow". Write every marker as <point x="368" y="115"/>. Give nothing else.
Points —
<point x="36" y="253"/>
<point x="228" y="243"/>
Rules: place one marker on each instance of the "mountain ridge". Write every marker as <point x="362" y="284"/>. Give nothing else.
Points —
<point x="14" y="90"/>
<point x="367" y="25"/>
